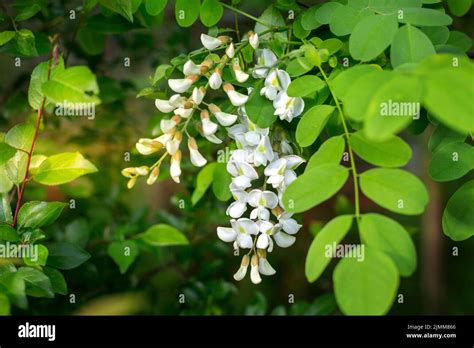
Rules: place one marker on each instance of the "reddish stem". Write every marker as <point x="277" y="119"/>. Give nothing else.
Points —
<point x="33" y="142"/>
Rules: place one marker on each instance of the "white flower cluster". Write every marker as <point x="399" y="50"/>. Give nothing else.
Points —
<point x="267" y="223"/>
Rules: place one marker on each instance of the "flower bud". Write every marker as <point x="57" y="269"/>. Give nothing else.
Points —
<point x="196" y="158"/>
<point x="240" y="274"/>
<point x="198" y="95"/>
<point x="230" y="50"/>
<point x="253" y="39"/>
<point x="254" y="274"/>
<point x="173" y="145"/>
<point x="215" y="81"/>
<point x="190" y="68"/>
<point x="239" y="74"/>
<point x="153" y="176"/>
<point x="236" y="98"/>
<point x="131" y="182"/>
<point x="175" y="168"/>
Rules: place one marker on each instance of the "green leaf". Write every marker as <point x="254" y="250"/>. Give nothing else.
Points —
<point x="37" y="283"/>
<point x="6" y="36"/>
<point x="91" y="42"/>
<point x="122" y="7"/>
<point x="203" y="181"/>
<point x="39" y="259"/>
<point x="271" y="17"/>
<point x="449" y="91"/>
<point x="62" y="168"/>
<point x="320" y="252"/>
<point x="458" y="216"/>
<point x="371" y="36"/>
<point x="451" y="161"/>
<point x="37" y="214"/>
<point x="161" y="72"/>
<point x="442" y="136"/>
<point x="459" y="7"/>
<point x="163" y="235"/>
<point x="392" y="106"/>
<point x="314" y="187"/>
<point x="186" y="12"/>
<point x="13" y="283"/>
<point x="308" y="19"/>
<point x="343" y="82"/>
<point x="6" y="152"/>
<point x="460" y="40"/>
<point x="410" y="45"/>
<point x="155" y="7"/>
<point x="298" y="29"/>
<point x="211" y="12"/>
<point x="58" y="282"/>
<point x="259" y="109"/>
<point x="19" y="137"/>
<point x="5" y="208"/>
<point x="391" y="6"/>
<point x="344" y="18"/>
<point x="368" y="287"/>
<point x="5" y="183"/>
<point x="330" y="152"/>
<point x="387" y="235"/>
<point x="323" y="13"/>
<point x="332" y="45"/>
<point x="438" y="35"/>
<point x="425" y="17"/>
<point x="74" y="85"/>
<point x="38" y="77"/>
<point x="305" y="86"/>
<point x="4" y="305"/>
<point x="298" y="67"/>
<point x="312" y="123"/>
<point x="221" y="182"/>
<point x="123" y="253"/>
<point x="395" y="189"/>
<point x="66" y="256"/>
<point x="8" y="233"/>
<point x="25" y="43"/>
<point x="393" y="152"/>
<point x="25" y="9"/>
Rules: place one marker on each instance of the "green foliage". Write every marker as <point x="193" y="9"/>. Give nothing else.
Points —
<point x="63" y="168"/>
<point x="458" y="217"/>
<point x="395" y="189"/>
<point x="358" y="55"/>
<point x="371" y="36"/>
<point x="163" y="235"/>
<point x="123" y="253"/>
<point x="317" y="258"/>
<point x="186" y="12"/>
<point x="366" y="287"/>
<point x="312" y="123"/>
<point x="393" y="152"/>
<point x="314" y="187"/>
<point x="39" y="214"/>
<point x="386" y="235"/>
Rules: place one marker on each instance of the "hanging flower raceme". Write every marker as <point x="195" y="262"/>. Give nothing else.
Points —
<point x="263" y="164"/>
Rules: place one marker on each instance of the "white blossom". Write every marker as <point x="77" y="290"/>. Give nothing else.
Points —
<point x="266" y="60"/>
<point x="238" y="208"/>
<point x="288" y="107"/>
<point x="210" y="42"/>
<point x="276" y="81"/>
<point x="254" y="273"/>
<point x="215" y="81"/>
<point x="180" y="85"/>
<point x="190" y="68"/>
<point x="175" y="167"/>
<point x="196" y="158"/>
<point x="261" y="200"/>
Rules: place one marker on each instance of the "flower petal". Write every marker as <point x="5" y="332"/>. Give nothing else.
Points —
<point x="226" y="234"/>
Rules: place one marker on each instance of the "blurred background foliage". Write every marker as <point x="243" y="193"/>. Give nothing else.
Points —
<point x="124" y="55"/>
